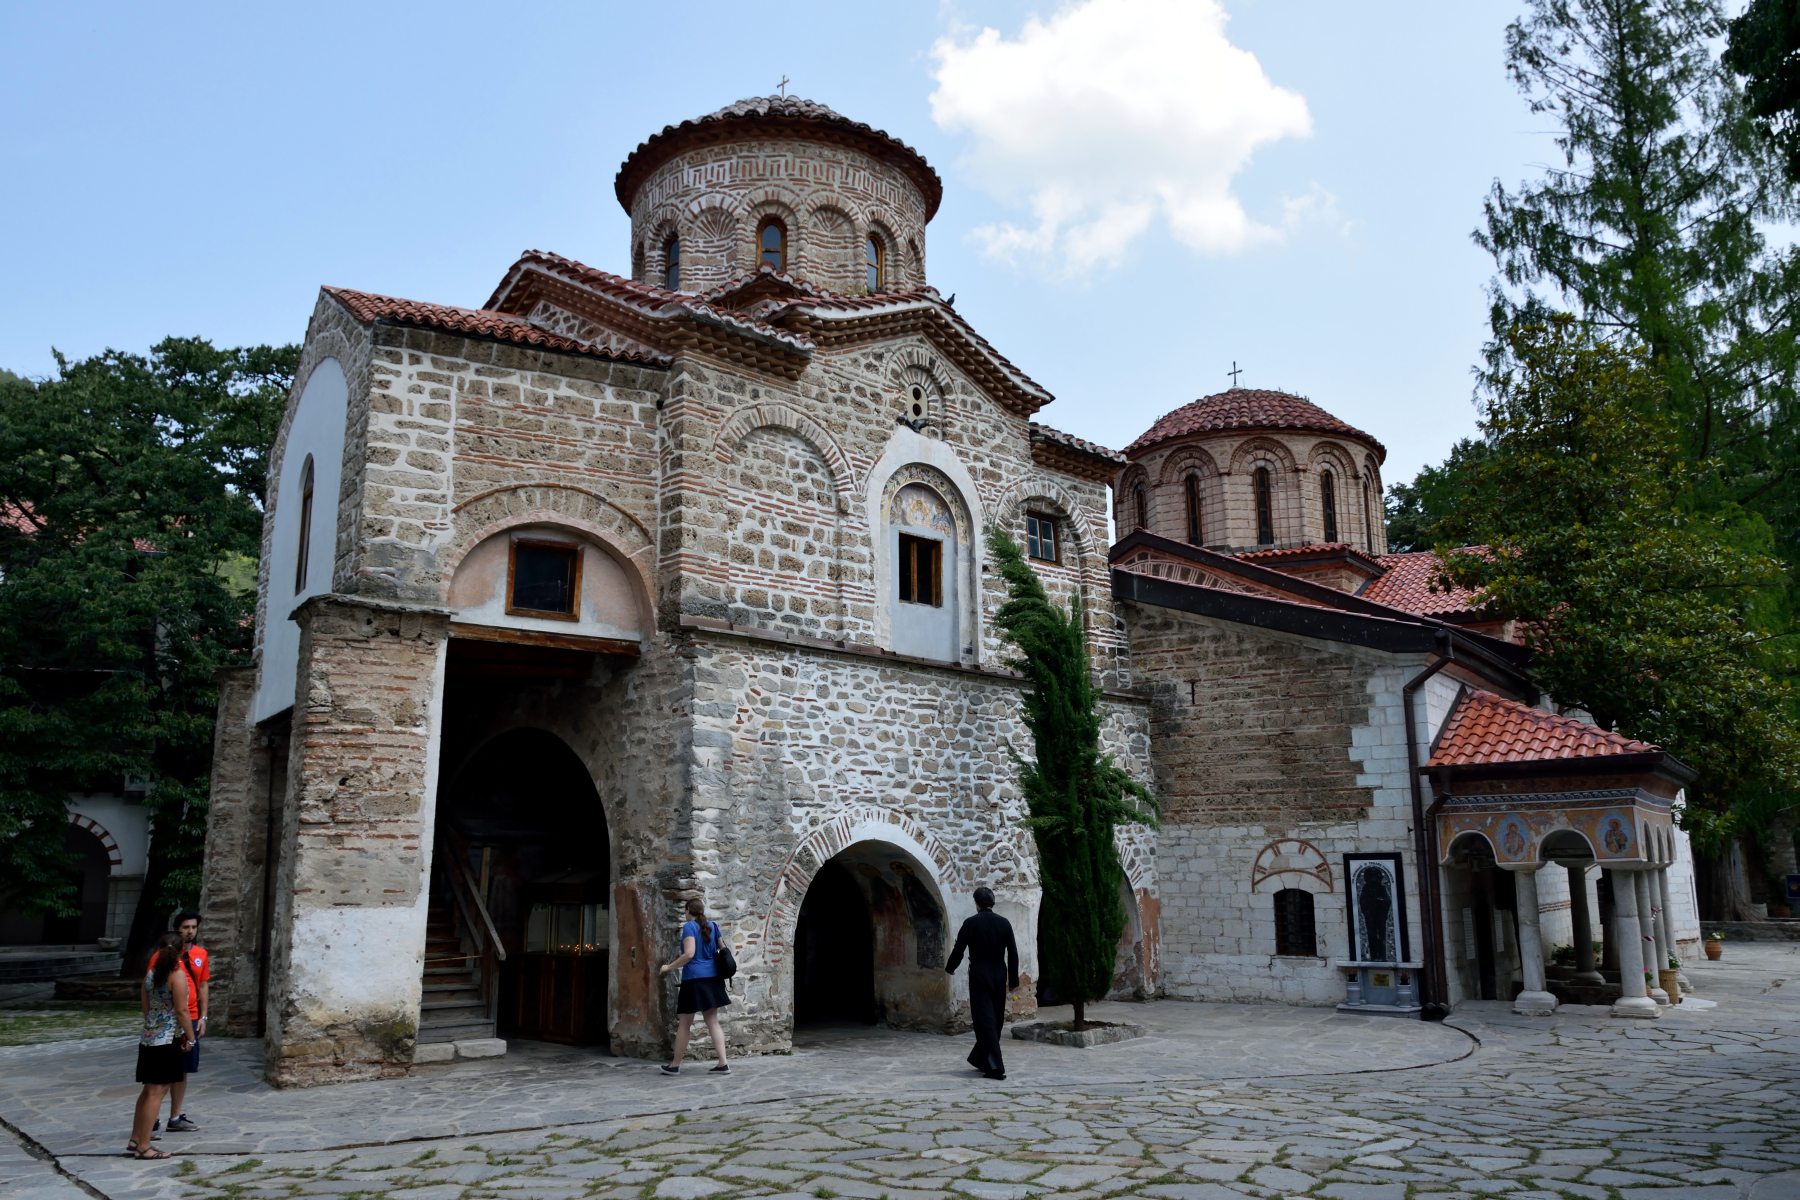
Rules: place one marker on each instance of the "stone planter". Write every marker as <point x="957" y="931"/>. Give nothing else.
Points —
<point x="1670" y="982"/>
<point x="1058" y="1033"/>
<point x="1715" y="950"/>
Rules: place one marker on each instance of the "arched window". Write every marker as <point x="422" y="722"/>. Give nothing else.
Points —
<point x="771" y="240"/>
<point x="306" y="502"/>
<point x="1192" y="488"/>
<point x="1294" y="929"/>
<point x="672" y="265"/>
<point x="1141" y="501"/>
<point x="1265" y="517"/>
<point x="872" y="258"/>
<point x="1328" y="498"/>
<point x="1368" y="518"/>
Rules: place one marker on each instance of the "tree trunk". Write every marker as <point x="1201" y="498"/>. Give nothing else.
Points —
<point x="1080" y="1016"/>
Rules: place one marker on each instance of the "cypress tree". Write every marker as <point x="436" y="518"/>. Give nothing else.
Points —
<point x="1075" y="794"/>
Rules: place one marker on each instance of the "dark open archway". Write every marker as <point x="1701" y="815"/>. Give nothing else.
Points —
<point x="521" y="826"/>
<point x="834" y="952"/>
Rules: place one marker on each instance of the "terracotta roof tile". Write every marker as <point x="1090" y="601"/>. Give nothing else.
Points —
<point x="1312" y="550"/>
<point x="1248" y="408"/>
<point x="1407" y="585"/>
<point x="790" y="111"/>
<point x="1486" y="728"/>
<point x="1043" y="433"/>
<point x="367" y="306"/>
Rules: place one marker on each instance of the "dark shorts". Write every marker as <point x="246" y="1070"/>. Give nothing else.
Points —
<point x="159" y="1064"/>
<point x="190" y="1061"/>
<point x="700" y="995"/>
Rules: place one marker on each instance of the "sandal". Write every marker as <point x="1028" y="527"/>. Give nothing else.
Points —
<point x="151" y="1152"/>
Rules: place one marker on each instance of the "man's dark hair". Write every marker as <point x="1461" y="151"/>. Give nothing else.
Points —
<point x="186" y="914"/>
<point x="984" y="897"/>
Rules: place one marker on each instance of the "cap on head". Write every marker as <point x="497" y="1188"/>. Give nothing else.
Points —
<point x="984" y="897"/>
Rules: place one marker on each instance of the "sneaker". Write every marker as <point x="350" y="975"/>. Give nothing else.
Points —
<point x="668" y="1070"/>
<point x="182" y="1124"/>
<point x="721" y="1069"/>
<point x="156" y="1126"/>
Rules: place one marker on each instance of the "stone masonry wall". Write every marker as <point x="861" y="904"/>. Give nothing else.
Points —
<point x="830" y="198"/>
<point x="1275" y="755"/>
<point x="355" y="843"/>
<point x="231" y="894"/>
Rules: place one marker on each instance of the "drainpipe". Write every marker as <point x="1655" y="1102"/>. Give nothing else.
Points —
<point x="1435" y="993"/>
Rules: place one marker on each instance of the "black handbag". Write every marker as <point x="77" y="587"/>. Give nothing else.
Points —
<point x="724" y="964"/>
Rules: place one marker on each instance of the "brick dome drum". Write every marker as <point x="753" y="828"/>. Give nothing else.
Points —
<point x="712" y="183"/>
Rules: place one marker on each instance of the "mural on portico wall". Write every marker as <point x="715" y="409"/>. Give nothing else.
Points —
<point x="1619" y="827"/>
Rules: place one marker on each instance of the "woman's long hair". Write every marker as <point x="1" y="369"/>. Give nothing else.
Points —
<point x="697" y="911"/>
<point x="164" y="957"/>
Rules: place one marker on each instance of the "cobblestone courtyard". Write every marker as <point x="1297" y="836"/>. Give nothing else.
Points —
<point x="1220" y="1102"/>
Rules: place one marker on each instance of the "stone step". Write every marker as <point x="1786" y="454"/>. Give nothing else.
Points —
<point x="442" y="1005"/>
<point x="461" y="1031"/>
<point x="26" y="967"/>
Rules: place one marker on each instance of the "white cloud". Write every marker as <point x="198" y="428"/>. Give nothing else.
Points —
<point x="1110" y="116"/>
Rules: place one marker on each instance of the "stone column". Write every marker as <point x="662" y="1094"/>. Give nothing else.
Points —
<point x="1646" y="905"/>
<point x="231" y="887"/>
<point x="1634" y="1000"/>
<point x="1534" y="1001"/>
<point x="1609" y="922"/>
<point x="1585" y="971"/>
<point x="352" y="869"/>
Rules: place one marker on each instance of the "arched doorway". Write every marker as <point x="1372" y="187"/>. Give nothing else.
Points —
<point x="521" y="830"/>
<point x="870" y="943"/>
<point x="1480" y="907"/>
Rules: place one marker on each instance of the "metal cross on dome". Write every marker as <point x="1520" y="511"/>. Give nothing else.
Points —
<point x="783" y="86"/>
<point x="1234" y="372"/>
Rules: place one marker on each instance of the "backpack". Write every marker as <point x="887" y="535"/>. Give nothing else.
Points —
<point x="724" y="964"/>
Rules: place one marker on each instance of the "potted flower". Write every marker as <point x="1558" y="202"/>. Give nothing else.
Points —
<point x="1715" y="947"/>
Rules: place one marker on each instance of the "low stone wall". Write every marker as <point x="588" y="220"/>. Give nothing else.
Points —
<point x="1775" y="930"/>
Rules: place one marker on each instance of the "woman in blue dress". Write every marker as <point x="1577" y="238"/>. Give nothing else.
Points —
<point x="702" y="991"/>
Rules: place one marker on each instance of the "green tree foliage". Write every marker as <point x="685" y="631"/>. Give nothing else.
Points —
<point x="1651" y="230"/>
<point x="130" y="491"/>
<point x="1765" y="50"/>
<point x="1414" y="509"/>
<point x="1075" y="794"/>
<point x="1638" y="609"/>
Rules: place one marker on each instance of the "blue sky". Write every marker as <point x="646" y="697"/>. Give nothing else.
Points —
<point x="203" y="169"/>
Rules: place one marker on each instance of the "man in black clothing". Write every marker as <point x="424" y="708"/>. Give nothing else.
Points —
<point x="993" y="971"/>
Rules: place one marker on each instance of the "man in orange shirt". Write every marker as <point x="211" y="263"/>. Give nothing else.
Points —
<point x="197" y="964"/>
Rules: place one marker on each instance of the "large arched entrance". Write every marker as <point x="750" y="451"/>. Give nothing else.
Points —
<point x="525" y="865"/>
<point x="870" y="943"/>
<point x="1480" y="908"/>
<point x="89" y="873"/>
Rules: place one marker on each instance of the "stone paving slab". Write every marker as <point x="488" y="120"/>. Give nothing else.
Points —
<point x="1695" y="1106"/>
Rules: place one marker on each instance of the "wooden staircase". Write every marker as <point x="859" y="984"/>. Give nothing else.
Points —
<point x="454" y="1006"/>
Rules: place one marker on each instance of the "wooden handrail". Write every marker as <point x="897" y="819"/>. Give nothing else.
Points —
<point x="459" y="875"/>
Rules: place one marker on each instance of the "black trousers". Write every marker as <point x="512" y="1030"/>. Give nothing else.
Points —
<point x="987" y="1008"/>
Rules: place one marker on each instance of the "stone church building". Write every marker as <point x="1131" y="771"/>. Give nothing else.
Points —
<point x="616" y="592"/>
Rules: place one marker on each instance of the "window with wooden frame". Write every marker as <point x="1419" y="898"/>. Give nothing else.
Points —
<point x="1265" y="516"/>
<point x="771" y="242"/>
<point x="921" y="571"/>
<point x="1295" y="932"/>
<point x="306" y="503"/>
<point x="672" y="265"/>
<point x="872" y="257"/>
<point x="1191" y="489"/>
<point x="1140" y="501"/>
<point x="543" y="579"/>
<point x="1328" y="501"/>
<point x="1040" y="538"/>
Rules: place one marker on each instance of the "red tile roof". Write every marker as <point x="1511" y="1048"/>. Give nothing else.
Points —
<point x="367" y="306"/>
<point x="1407" y="585"/>
<point x="1068" y="440"/>
<point x="788" y="115"/>
<point x="1315" y="550"/>
<point x="1488" y="729"/>
<point x="1249" y="408"/>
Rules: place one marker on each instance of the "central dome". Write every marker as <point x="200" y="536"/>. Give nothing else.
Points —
<point x="1249" y="408"/>
<point x="780" y="184"/>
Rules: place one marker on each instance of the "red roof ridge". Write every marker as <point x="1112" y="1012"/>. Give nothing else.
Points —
<point x="482" y="322"/>
<point x="1039" y="431"/>
<point x="1486" y="728"/>
<point x="1249" y="408"/>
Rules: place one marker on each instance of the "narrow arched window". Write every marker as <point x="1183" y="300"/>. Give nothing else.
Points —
<point x="1368" y="518"/>
<point x="772" y="242"/>
<point x="672" y="265"/>
<point x="1328" y="499"/>
<point x="1142" y="503"/>
<point x="872" y="260"/>
<point x="1192" y="487"/>
<point x="1265" y="516"/>
<point x="306" y="505"/>
<point x="1295" y="932"/>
